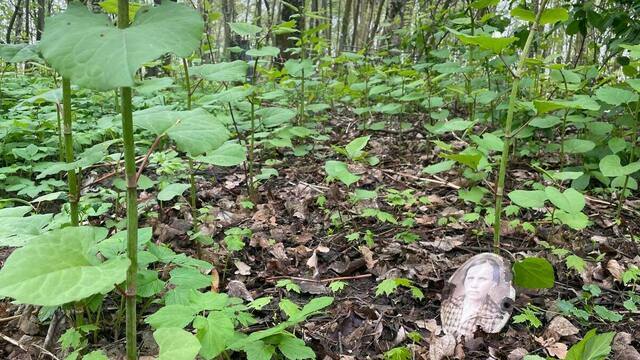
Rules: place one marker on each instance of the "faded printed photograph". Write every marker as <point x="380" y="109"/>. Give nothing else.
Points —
<point x="480" y="296"/>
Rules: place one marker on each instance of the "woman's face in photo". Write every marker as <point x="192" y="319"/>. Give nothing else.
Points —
<point x="479" y="281"/>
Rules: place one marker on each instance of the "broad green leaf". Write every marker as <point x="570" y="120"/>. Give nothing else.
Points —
<point x="634" y="83"/>
<point x="111" y="7"/>
<point x="189" y="278"/>
<point x="274" y="116"/>
<point x="533" y="273"/>
<point x="570" y="200"/>
<point x="18" y="231"/>
<point x="582" y="102"/>
<point x="264" y="51"/>
<point x="195" y="132"/>
<point x="171" y="191"/>
<point x="60" y="267"/>
<point x="615" y="96"/>
<point x="481" y="4"/>
<point x="471" y="160"/>
<point x="15" y="53"/>
<point x="591" y="347"/>
<point x="229" y="154"/>
<point x="531" y="199"/>
<point x="92" y="53"/>
<point x="339" y="170"/>
<point x="295" y="349"/>
<point x="578" y="146"/>
<point x="575" y="220"/>
<point x="354" y="148"/>
<point x="95" y="355"/>
<point x="607" y="314"/>
<point x="225" y="71"/>
<point x="312" y="307"/>
<point x="553" y="15"/>
<point x="296" y="68"/>
<point x="549" y="16"/>
<point x="176" y="344"/>
<point x="494" y="44"/>
<point x="610" y="166"/>
<point x="258" y="350"/>
<point x="545" y="122"/>
<point x="245" y="29"/>
<point x="177" y="316"/>
<point x="153" y="85"/>
<point x="439" y="167"/>
<point x="214" y="332"/>
<point x="449" y="126"/>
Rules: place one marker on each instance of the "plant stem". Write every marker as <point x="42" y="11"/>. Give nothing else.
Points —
<point x="187" y="84"/>
<point x="507" y="131"/>
<point x="72" y="176"/>
<point x="132" y="201"/>
<point x="634" y="139"/>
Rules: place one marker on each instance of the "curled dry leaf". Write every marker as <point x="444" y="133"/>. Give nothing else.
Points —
<point x="368" y="257"/>
<point x="615" y="269"/>
<point x="236" y="288"/>
<point x="517" y="354"/>
<point x="243" y="269"/>
<point x="312" y="263"/>
<point x="215" y="281"/>
<point x="558" y="350"/>
<point x="442" y="347"/>
<point x="559" y="327"/>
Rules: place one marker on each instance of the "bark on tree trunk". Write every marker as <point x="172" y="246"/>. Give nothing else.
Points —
<point x="40" y="23"/>
<point x="356" y="15"/>
<point x="282" y="40"/>
<point x="345" y="25"/>
<point x="27" y="20"/>
<point x="372" y="35"/>
<point x="12" y="21"/>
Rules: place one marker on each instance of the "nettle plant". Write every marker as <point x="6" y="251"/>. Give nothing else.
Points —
<point x="75" y="268"/>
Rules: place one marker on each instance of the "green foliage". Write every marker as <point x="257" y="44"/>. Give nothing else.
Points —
<point x="60" y="267"/>
<point x="592" y="347"/>
<point x="111" y="56"/>
<point x="533" y="273"/>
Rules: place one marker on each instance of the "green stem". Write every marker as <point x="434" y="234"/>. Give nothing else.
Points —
<point x="74" y="194"/>
<point x="132" y="201"/>
<point x="634" y="140"/>
<point x="507" y="131"/>
<point x="187" y="83"/>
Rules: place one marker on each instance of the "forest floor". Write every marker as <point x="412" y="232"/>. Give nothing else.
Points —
<point x="294" y="238"/>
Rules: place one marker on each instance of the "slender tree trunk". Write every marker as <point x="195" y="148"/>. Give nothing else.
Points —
<point x="345" y="25"/>
<point x="258" y="12"/>
<point x="228" y="15"/>
<point x="27" y="20"/>
<point x="12" y="21"/>
<point x="372" y="35"/>
<point x="356" y="16"/>
<point x="283" y="41"/>
<point x="40" y="19"/>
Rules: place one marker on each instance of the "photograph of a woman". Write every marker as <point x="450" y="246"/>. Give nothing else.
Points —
<point x="481" y="288"/>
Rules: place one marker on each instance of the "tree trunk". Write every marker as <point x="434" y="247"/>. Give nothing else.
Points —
<point x="40" y="18"/>
<point x="282" y="40"/>
<point x="345" y="25"/>
<point x="12" y="21"/>
<point x="228" y="16"/>
<point x="372" y="35"/>
<point x="356" y="15"/>
<point x="258" y="13"/>
<point x="27" y="20"/>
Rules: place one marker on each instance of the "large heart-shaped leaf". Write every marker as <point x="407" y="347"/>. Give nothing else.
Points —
<point x="229" y="154"/>
<point x="14" y="53"/>
<point x="339" y="170"/>
<point x="533" y="199"/>
<point x="533" y="273"/>
<point x="225" y="71"/>
<point x="214" y="333"/>
<point x="610" y="166"/>
<point x="195" y="131"/>
<point x="92" y="53"/>
<point x="60" y="267"/>
<point x="494" y="44"/>
<point x="615" y="96"/>
<point x="570" y="200"/>
<point x="176" y="344"/>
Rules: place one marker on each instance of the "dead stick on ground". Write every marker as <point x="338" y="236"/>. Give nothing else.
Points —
<point x="12" y="341"/>
<point x="106" y="176"/>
